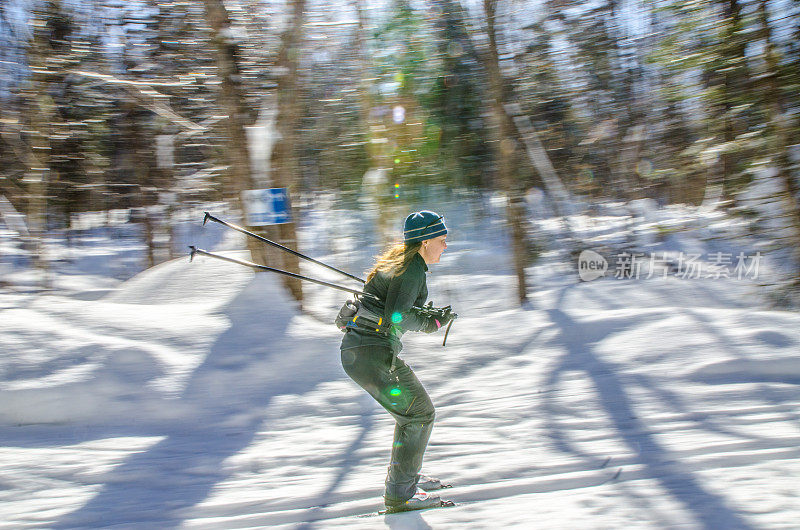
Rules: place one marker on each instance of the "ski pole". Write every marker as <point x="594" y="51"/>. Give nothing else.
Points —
<point x="447" y="332"/>
<point x="278" y="245"/>
<point x="356" y="292"/>
<point x="428" y="310"/>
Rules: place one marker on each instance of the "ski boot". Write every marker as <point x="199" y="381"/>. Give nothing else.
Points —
<point x="420" y="501"/>
<point x="427" y="483"/>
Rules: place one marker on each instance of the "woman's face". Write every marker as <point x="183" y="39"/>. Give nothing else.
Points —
<point x="432" y="249"/>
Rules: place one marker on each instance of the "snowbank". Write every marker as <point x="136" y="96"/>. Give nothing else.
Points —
<point x="129" y="354"/>
<point x="196" y="395"/>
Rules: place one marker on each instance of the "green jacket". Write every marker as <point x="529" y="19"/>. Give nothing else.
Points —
<point x="397" y="295"/>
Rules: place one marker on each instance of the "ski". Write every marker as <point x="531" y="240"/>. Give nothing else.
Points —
<point x="606" y="478"/>
<point x="442" y="504"/>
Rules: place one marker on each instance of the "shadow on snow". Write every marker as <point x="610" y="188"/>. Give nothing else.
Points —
<point x="245" y="369"/>
<point x="578" y="339"/>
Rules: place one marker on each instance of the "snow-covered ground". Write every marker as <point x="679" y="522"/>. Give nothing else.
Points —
<point x="197" y="395"/>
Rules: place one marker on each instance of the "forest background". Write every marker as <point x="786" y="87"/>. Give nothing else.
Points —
<point x="154" y="106"/>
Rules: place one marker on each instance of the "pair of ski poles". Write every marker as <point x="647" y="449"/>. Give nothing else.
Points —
<point x="428" y="310"/>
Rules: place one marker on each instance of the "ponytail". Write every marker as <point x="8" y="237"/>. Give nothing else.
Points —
<point x="395" y="260"/>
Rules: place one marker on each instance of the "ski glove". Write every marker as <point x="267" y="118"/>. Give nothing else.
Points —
<point x="437" y="317"/>
<point x="431" y="326"/>
<point x="445" y="317"/>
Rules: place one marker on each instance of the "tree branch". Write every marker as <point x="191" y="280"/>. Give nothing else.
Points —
<point x="147" y="97"/>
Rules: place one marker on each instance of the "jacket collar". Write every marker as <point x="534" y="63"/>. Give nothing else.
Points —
<point x="420" y="258"/>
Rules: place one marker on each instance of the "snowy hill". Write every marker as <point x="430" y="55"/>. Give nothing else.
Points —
<point x="197" y="395"/>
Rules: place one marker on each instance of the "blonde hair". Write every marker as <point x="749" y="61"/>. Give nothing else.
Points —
<point x="395" y="260"/>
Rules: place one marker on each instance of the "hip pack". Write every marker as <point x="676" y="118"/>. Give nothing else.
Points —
<point x="353" y="315"/>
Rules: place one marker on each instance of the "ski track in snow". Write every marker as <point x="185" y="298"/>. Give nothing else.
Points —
<point x="196" y="395"/>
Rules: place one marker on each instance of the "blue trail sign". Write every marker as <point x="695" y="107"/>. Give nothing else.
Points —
<point x="267" y="207"/>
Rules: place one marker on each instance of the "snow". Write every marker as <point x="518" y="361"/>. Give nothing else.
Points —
<point x="197" y="394"/>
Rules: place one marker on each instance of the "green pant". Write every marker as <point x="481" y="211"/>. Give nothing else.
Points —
<point x="398" y="391"/>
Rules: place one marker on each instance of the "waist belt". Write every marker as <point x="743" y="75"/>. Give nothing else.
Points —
<point x="366" y="320"/>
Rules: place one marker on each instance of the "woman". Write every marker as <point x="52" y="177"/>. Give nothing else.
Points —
<point x="370" y="347"/>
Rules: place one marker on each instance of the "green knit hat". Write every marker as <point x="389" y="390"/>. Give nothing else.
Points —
<point x="423" y="225"/>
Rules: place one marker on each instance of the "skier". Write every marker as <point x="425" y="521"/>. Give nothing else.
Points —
<point x="369" y="354"/>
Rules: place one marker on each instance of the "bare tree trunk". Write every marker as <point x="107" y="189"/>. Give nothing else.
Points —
<point x="240" y="177"/>
<point x="38" y="178"/>
<point x="43" y="112"/>
<point x="733" y="79"/>
<point x="728" y="82"/>
<point x="165" y="161"/>
<point x="284" y="164"/>
<point x="781" y="136"/>
<point x="375" y="151"/>
<point x="133" y="136"/>
<point x="559" y="195"/>
<point x="538" y="157"/>
<point x="149" y="236"/>
<point x="376" y="181"/>
<point x="505" y="147"/>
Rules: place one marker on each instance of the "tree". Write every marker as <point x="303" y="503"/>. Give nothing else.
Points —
<point x="456" y="101"/>
<point x="284" y="166"/>
<point x="776" y="79"/>
<point x="505" y="147"/>
<point x="50" y="38"/>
